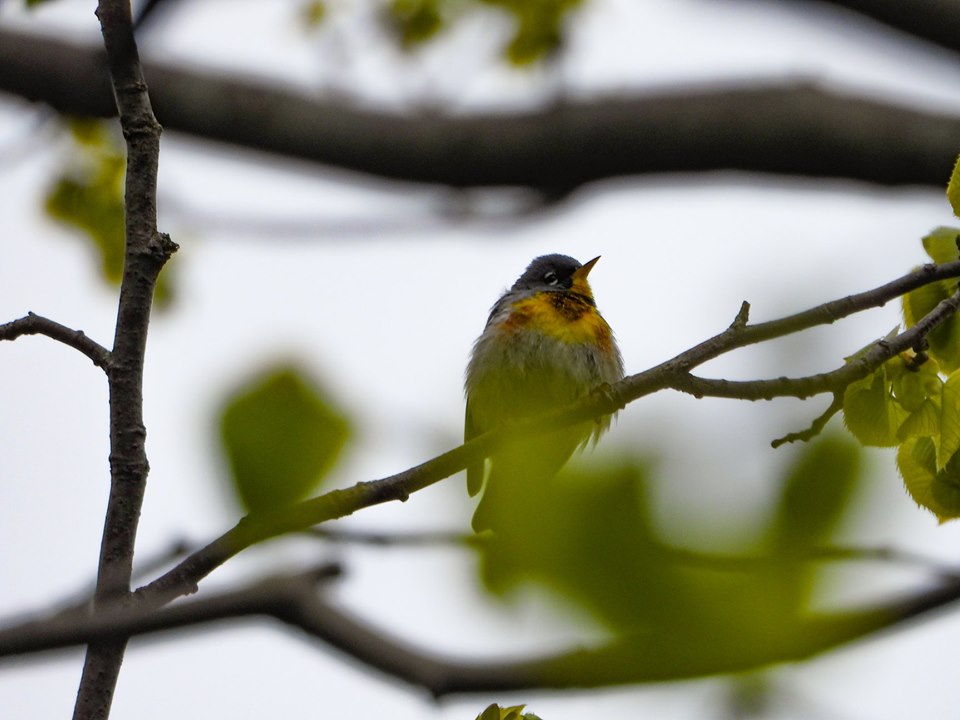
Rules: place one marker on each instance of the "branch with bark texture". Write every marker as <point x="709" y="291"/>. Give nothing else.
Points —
<point x="673" y="374"/>
<point x="146" y="252"/>
<point x="791" y="128"/>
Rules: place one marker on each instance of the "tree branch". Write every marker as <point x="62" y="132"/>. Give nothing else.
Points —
<point x="32" y="324"/>
<point x="674" y="373"/>
<point x="146" y="252"/>
<point x="650" y="656"/>
<point x="816" y="427"/>
<point x="935" y="21"/>
<point x="116" y="622"/>
<point x="789" y="128"/>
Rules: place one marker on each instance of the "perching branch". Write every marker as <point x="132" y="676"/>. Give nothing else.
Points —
<point x="32" y="324"/>
<point x="146" y="252"/>
<point x="674" y="373"/>
<point x="791" y="128"/>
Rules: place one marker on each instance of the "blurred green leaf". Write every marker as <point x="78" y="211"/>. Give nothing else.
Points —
<point x="539" y="27"/>
<point x="587" y="536"/>
<point x="281" y="435"/>
<point x="35" y="3"/>
<point x="88" y="196"/>
<point x="515" y="712"/>
<point x="414" y="21"/>
<point x="816" y="494"/>
<point x="314" y="13"/>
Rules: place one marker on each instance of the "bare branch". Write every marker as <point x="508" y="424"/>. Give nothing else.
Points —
<point x="833" y="381"/>
<point x="650" y="656"/>
<point x="146" y="252"/>
<point x="32" y="324"/>
<point x="792" y="128"/>
<point x="674" y="373"/>
<point x="386" y="539"/>
<point x="118" y="621"/>
<point x="816" y="427"/>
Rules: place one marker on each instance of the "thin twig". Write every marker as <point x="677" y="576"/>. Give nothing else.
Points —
<point x="816" y="427"/>
<point x="385" y="539"/>
<point x="33" y="324"/>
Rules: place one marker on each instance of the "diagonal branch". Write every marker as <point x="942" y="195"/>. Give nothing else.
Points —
<point x="32" y="324"/>
<point x="674" y="373"/>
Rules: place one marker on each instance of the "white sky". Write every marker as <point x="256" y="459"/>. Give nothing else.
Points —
<point x="362" y="313"/>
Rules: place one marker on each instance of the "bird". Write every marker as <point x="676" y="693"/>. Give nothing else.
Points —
<point x="545" y="345"/>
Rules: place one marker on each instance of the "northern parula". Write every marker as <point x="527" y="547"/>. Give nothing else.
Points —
<point x="544" y="346"/>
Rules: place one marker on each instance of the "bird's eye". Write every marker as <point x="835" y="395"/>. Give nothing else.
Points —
<point x="550" y="278"/>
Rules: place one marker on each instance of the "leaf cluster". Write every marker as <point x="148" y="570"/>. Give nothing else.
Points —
<point x="912" y="402"/>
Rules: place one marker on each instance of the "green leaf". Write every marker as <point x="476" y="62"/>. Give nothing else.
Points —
<point x="491" y="712"/>
<point x="515" y="712"/>
<point x="539" y="27"/>
<point x="314" y="13"/>
<point x="280" y="435"/>
<point x="913" y="387"/>
<point x="949" y="420"/>
<point x="953" y="188"/>
<point x="941" y="244"/>
<point x="551" y="534"/>
<point x="937" y="491"/>
<point x="414" y="21"/>
<point x="816" y="494"/>
<point x="922" y="422"/>
<point x="944" y="340"/>
<point x="870" y="411"/>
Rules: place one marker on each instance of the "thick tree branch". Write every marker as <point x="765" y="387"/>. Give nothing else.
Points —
<point x="674" y="373"/>
<point x="146" y="252"/>
<point x="650" y="656"/>
<point x="789" y="128"/>
<point x="933" y="20"/>
<point x="33" y="324"/>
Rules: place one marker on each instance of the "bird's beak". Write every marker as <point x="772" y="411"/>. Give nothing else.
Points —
<point x="581" y="272"/>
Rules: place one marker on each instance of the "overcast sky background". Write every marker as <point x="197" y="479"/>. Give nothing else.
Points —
<point x="380" y="298"/>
